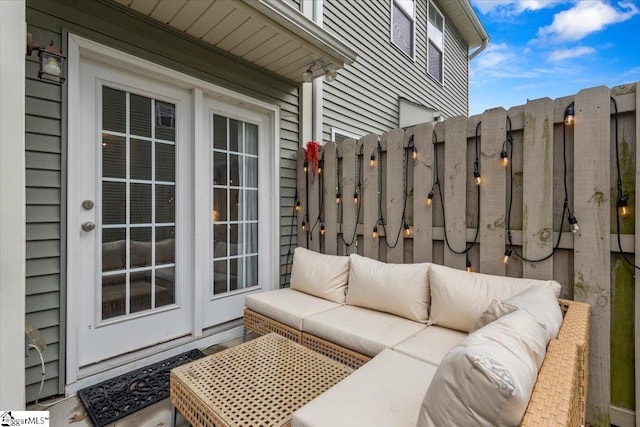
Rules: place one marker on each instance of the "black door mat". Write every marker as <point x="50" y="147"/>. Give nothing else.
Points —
<point x="118" y="397"/>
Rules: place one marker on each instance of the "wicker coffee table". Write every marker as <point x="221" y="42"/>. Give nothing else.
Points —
<point x="257" y="383"/>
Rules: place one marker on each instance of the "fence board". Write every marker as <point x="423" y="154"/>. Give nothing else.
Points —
<point x="493" y="192"/>
<point x="349" y="208"/>
<point x="455" y="188"/>
<point x="637" y="250"/>
<point x="370" y="195"/>
<point x="329" y="193"/>
<point x="394" y="195"/>
<point x="592" y="258"/>
<point x="314" y="209"/>
<point x="537" y="188"/>
<point x="302" y="198"/>
<point x="422" y="184"/>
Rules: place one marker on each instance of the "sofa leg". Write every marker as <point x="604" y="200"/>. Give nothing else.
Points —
<point x="245" y="332"/>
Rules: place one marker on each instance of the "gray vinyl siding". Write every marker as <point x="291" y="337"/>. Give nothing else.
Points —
<point x="109" y="24"/>
<point x="364" y="97"/>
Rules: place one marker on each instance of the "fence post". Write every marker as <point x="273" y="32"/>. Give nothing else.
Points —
<point x="329" y="198"/>
<point x="422" y="184"/>
<point x="395" y="194"/>
<point x="592" y="246"/>
<point x="370" y="195"/>
<point x="349" y="183"/>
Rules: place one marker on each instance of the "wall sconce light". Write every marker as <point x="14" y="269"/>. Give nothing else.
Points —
<point x="52" y="60"/>
<point x="329" y="75"/>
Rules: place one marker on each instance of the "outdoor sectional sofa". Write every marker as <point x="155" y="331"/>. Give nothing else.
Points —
<point x="432" y="345"/>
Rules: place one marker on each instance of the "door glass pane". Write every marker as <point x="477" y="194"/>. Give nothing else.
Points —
<point x="234" y="145"/>
<point x="138" y="203"/>
<point x="114" y="156"/>
<point x="140" y="159"/>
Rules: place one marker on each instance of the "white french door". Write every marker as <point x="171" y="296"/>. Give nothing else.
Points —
<point x="132" y="206"/>
<point x="172" y="207"/>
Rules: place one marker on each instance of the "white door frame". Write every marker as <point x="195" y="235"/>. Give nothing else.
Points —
<point x="79" y="46"/>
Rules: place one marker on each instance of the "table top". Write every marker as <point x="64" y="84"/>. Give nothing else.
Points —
<point x="260" y="382"/>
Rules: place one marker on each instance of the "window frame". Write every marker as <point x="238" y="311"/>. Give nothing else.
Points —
<point x="396" y="3"/>
<point x="337" y="131"/>
<point x="438" y="42"/>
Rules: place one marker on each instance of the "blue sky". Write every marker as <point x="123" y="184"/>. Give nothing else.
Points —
<point x="553" y="48"/>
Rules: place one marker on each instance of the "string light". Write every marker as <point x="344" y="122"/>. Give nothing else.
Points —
<point x="304" y="225"/>
<point x="430" y="198"/>
<point x="322" y="229"/>
<point x="573" y="222"/>
<point x="623" y="204"/>
<point x="504" y="157"/>
<point x="305" y="167"/>
<point x="569" y="115"/>
<point x="355" y="197"/>
<point x="374" y="233"/>
<point x="468" y="264"/>
<point x="507" y="254"/>
<point x="476" y="174"/>
<point x="414" y="151"/>
<point x="407" y="229"/>
<point x="321" y="164"/>
<point x="298" y="207"/>
<point x="338" y="197"/>
<point x="372" y="159"/>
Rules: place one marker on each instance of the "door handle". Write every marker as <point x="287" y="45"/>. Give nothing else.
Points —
<point x="88" y="226"/>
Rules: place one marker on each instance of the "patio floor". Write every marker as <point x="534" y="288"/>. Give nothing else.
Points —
<point x="71" y="412"/>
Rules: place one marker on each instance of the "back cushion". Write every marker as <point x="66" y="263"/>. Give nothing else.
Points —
<point x="400" y="289"/>
<point x="459" y="298"/>
<point x="324" y="276"/>
<point x="487" y="379"/>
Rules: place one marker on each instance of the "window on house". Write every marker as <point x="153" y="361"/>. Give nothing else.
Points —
<point x="403" y="25"/>
<point x="435" y="45"/>
<point x="339" y="135"/>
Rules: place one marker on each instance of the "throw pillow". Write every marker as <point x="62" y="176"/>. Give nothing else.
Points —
<point x="321" y="275"/>
<point x="496" y="310"/>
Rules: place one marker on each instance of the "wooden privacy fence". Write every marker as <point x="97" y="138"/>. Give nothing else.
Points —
<point x="554" y="172"/>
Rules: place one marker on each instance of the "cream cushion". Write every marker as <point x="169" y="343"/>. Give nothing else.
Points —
<point x="430" y="344"/>
<point x="400" y="289"/>
<point x="365" y="331"/>
<point x="458" y="298"/>
<point x="324" y="276"/>
<point x="540" y="302"/>
<point x="287" y="305"/>
<point x="496" y="310"/>
<point x="385" y="392"/>
<point x="487" y="379"/>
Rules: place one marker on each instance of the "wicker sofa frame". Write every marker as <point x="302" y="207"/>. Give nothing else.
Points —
<point x="559" y="395"/>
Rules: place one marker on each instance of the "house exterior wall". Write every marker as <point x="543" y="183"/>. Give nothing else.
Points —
<point x="364" y="98"/>
<point x="46" y="143"/>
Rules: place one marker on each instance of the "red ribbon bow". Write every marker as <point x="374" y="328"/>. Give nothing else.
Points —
<point x="311" y="155"/>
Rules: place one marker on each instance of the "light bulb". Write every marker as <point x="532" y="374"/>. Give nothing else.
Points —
<point x="374" y="234"/>
<point x="320" y="166"/>
<point x="304" y="225"/>
<point x="322" y="229"/>
<point x="298" y="207"/>
<point x="476" y="175"/>
<point x="338" y="197"/>
<point x="414" y="152"/>
<point x="623" y="205"/>
<point x="569" y="115"/>
<point x="305" y="167"/>
<point x="575" y="228"/>
<point x="507" y="254"/>
<point x="407" y="230"/>
<point x="372" y="160"/>
<point x="505" y="158"/>
<point x="468" y="267"/>
<point x="430" y="198"/>
<point x="51" y="66"/>
<point x="355" y="197"/>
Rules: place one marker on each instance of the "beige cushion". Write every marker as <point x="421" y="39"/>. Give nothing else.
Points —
<point x="487" y="379"/>
<point x="324" y="276"/>
<point x="400" y="289"/>
<point x="430" y="344"/>
<point x="360" y="329"/>
<point x="287" y="305"/>
<point x="496" y="310"/>
<point x="386" y="392"/>
<point x="540" y="302"/>
<point x="458" y="298"/>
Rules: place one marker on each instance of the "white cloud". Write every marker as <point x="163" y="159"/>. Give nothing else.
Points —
<point x="586" y="17"/>
<point x="513" y="7"/>
<point x="561" y="54"/>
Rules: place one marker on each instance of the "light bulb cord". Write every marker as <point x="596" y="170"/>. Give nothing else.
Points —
<point x="37" y="402"/>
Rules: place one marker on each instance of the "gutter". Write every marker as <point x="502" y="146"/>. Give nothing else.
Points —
<point x="482" y="47"/>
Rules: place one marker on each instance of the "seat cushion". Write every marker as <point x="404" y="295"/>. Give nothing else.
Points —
<point x="287" y="305"/>
<point x="400" y="289"/>
<point x="321" y="275"/>
<point x="387" y="391"/>
<point x="430" y="344"/>
<point x="360" y="329"/>
<point x="459" y="298"/>
<point x="487" y="379"/>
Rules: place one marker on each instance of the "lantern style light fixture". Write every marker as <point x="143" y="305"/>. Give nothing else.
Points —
<point x="51" y="59"/>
